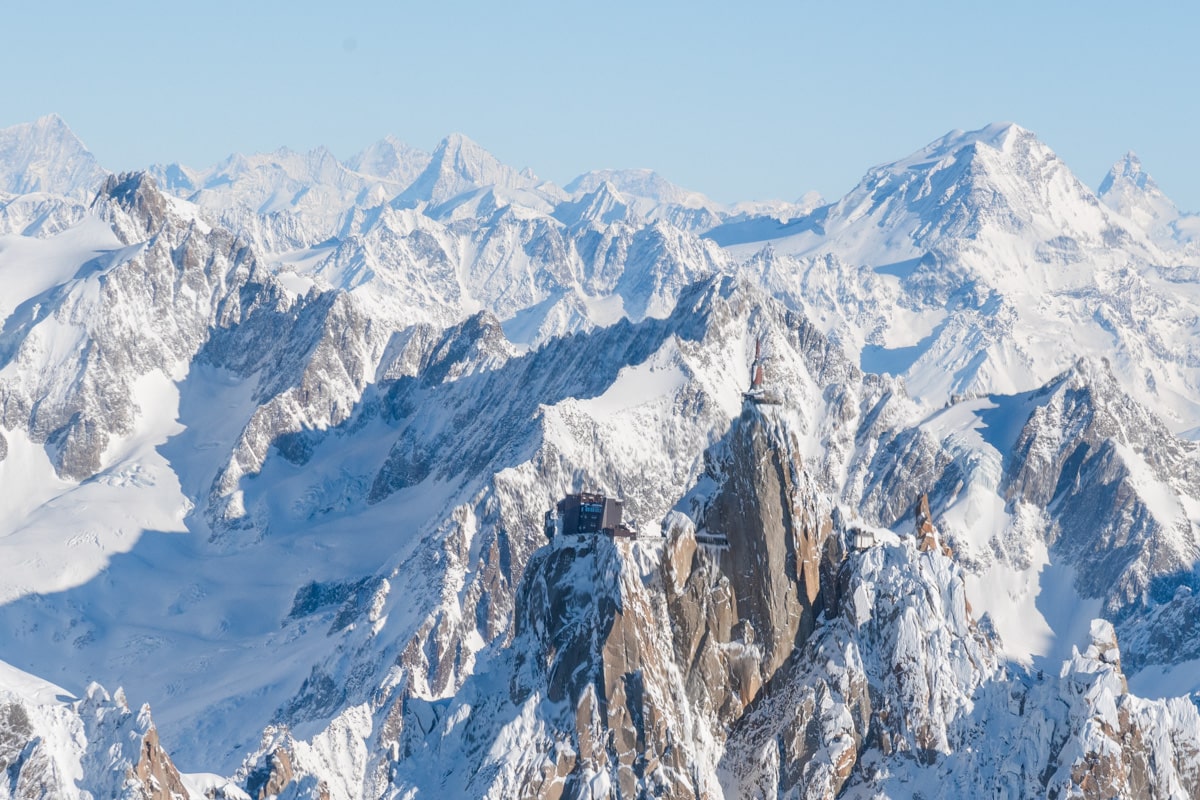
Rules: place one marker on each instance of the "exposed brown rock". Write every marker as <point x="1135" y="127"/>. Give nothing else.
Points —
<point x="596" y="646"/>
<point x="739" y="613"/>
<point x="926" y="534"/>
<point x="159" y="778"/>
<point x="277" y="777"/>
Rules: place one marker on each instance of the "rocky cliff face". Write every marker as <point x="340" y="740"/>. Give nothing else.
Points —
<point x="581" y="704"/>
<point x="174" y="275"/>
<point x="888" y="677"/>
<point x="744" y="580"/>
<point x="1112" y="472"/>
<point x="1117" y="745"/>
<point x="597" y="641"/>
<point x="625" y="664"/>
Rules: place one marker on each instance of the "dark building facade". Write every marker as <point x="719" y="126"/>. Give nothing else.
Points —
<point x="587" y="513"/>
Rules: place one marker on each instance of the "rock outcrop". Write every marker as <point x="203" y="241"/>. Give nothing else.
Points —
<point x="889" y="676"/>
<point x="748" y="578"/>
<point x="591" y="707"/>
<point x="1117" y="745"/>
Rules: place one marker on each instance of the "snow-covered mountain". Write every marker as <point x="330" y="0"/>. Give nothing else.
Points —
<point x="45" y="156"/>
<point x="391" y="159"/>
<point x="460" y="166"/>
<point x="1129" y="189"/>
<point x="47" y="176"/>
<point x="276" y="439"/>
<point x="288" y="200"/>
<point x="965" y="266"/>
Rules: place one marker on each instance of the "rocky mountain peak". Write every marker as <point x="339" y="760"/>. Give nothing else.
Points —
<point x="762" y="538"/>
<point x="1000" y="176"/>
<point x="1130" y="190"/>
<point x="999" y="179"/>
<point x="91" y="747"/>
<point x="603" y="205"/>
<point x="1000" y="137"/>
<point x="136" y="197"/>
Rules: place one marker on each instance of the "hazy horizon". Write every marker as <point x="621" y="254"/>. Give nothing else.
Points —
<point x="770" y="102"/>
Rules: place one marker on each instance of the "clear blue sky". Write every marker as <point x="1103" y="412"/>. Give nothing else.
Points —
<point x="737" y="100"/>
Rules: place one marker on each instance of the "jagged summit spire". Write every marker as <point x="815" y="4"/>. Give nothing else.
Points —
<point x="1130" y="190"/>
<point x="759" y="394"/>
<point x="603" y="205"/>
<point x="756" y="369"/>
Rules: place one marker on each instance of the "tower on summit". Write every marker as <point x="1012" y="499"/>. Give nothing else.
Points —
<point x="758" y="393"/>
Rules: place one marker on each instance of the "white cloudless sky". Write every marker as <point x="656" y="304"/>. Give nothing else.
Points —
<point x="749" y="100"/>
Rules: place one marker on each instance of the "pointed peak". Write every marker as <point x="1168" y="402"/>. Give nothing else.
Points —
<point x="997" y="135"/>
<point x="129" y="189"/>
<point x="460" y="152"/>
<point x="457" y="143"/>
<point x="460" y="165"/>
<point x="1001" y="131"/>
<point x="51" y="121"/>
<point x="43" y="130"/>
<point x="603" y="205"/>
<point x="603" y="192"/>
<point x="134" y="205"/>
<point x="49" y="127"/>
<point x="1000" y="147"/>
<point x="1088" y="372"/>
<point x="607" y="189"/>
<point x="1129" y="164"/>
<point x="46" y="156"/>
<point x="1127" y="170"/>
